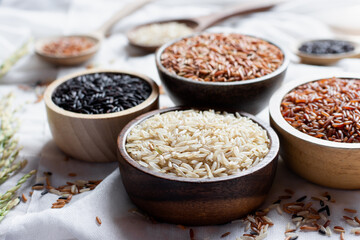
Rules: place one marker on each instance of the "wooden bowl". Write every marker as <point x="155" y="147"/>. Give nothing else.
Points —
<point x="67" y="60"/>
<point x="192" y="201"/>
<point x="326" y="59"/>
<point x="92" y="137"/>
<point x="249" y="95"/>
<point x="323" y="162"/>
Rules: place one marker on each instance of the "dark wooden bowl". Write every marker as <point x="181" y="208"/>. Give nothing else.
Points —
<point x="249" y="95"/>
<point x="192" y="201"/>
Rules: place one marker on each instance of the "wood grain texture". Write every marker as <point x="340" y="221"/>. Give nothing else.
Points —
<point x="250" y="95"/>
<point x="320" y="161"/>
<point x="92" y="137"/>
<point x="191" y="201"/>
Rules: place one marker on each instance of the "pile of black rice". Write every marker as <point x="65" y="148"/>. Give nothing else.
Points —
<point x="99" y="93"/>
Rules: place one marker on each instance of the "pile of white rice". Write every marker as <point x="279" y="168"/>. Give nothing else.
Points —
<point x="198" y="144"/>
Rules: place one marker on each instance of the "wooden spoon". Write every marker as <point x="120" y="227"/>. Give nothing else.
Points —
<point x="327" y="59"/>
<point x="198" y="24"/>
<point x="96" y="37"/>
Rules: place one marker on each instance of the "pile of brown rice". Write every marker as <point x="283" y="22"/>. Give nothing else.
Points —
<point x="198" y="144"/>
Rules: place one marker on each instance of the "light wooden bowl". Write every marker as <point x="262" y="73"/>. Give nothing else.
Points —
<point x="326" y="59"/>
<point x="192" y="201"/>
<point x="67" y="60"/>
<point x="92" y="137"/>
<point x="320" y="161"/>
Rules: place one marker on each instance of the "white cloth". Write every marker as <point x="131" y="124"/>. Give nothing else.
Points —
<point x="287" y="24"/>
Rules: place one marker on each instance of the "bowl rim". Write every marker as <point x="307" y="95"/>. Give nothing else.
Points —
<point x="276" y="116"/>
<point x="52" y="87"/>
<point x="278" y="71"/>
<point x="268" y="159"/>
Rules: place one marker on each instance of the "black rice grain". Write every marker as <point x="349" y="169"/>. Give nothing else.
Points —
<point x="100" y="93"/>
<point x="38" y="184"/>
<point x="44" y="192"/>
<point x="301" y="199"/>
<point x="48" y="173"/>
<point x="326" y="208"/>
<point x="328" y="197"/>
<point x="277" y="201"/>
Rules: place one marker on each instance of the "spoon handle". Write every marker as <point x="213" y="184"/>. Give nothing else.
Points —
<point x="243" y="8"/>
<point x="125" y="11"/>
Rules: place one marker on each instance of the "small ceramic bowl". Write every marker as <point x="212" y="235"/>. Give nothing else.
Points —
<point x="192" y="201"/>
<point x="92" y="137"/>
<point x="249" y="95"/>
<point x="323" y="162"/>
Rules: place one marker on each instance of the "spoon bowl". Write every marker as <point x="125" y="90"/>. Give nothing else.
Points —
<point x="199" y="24"/>
<point x="191" y="23"/>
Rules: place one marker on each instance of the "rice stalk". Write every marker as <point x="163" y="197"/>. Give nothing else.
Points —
<point x="8" y="195"/>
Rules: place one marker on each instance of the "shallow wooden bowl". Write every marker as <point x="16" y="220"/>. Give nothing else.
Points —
<point x="320" y="161"/>
<point x="326" y="59"/>
<point x="192" y="201"/>
<point x="92" y="137"/>
<point x="67" y="60"/>
<point x="250" y="95"/>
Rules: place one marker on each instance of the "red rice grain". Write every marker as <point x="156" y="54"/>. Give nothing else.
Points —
<point x="357" y="219"/>
<point x="350" y="210"/>
<point x="225" y="234"/>
<point x="219" y="57"/>
<point x="98" y="220"/>
<point x="339" y="229"/>
<point x="181" y="227"/>
<point x="328" y="109"/>
<point x="192" y="234"/>
<point x="24" y="198"/>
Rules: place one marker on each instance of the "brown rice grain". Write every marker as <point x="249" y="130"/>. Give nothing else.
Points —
<point x="24" y="199"/>
<point x="350" y="210"/>
<point x="225" y="234"/>
<point x="98" y="220"/>
<point x="339" y="229"/>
